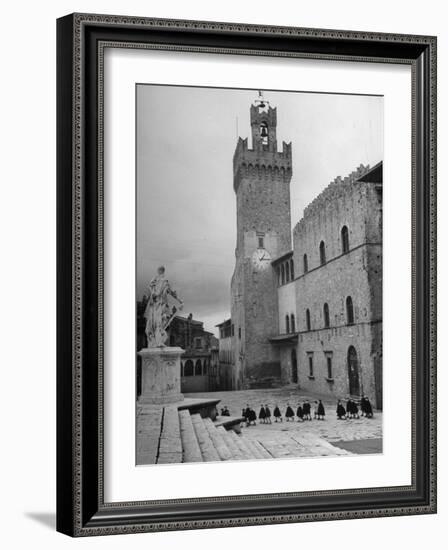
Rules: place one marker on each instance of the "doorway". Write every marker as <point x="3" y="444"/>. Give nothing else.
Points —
<point x="294" y="373"/>
<point x="353" y="371"/>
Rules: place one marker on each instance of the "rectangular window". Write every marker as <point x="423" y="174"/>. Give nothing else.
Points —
<point x="239" y="333"/>
<point x="233" y="330"/>
<point x="310" y="366"/>
<point x="329" y="367"/>
<point x="260" y="238"/>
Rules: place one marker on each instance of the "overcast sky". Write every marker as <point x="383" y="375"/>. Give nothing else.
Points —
<point x="186" y="137"/>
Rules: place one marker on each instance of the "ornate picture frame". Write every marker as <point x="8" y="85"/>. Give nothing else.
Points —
<point x="81" y="42"/>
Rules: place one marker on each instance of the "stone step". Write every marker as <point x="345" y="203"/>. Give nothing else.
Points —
<point x="262" y="451"/>
<point x="253" y="448"/>
<point x="285" y="448"/>
<point x="218" y="440"/>
<point x="149" y="425"/>
<point x="232" y="446"/>
<point x="243" y="448"/>
<point x="208" y="451"/>
<point x="229" y="422"/>
<point x="191" y="451"/>
<point x="170" y="444"/>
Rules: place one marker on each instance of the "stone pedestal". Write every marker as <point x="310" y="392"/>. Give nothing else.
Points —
<point x="160" y="375"/>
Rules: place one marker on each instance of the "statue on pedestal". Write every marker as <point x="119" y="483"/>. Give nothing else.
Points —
<point x="158" y="313"/>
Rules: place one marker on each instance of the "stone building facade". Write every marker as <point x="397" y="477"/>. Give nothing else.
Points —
<point x="330" y="312"/>
<point x="306" y="310"/>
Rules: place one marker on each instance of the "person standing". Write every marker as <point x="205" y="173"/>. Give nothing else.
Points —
<point x="262" y="415"/>
<point x="299" y="413"/>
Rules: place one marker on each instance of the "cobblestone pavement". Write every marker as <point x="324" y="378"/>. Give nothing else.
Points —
<point x="314" y="435"/>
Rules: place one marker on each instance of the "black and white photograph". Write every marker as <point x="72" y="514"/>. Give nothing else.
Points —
<point x="258" y="274"/>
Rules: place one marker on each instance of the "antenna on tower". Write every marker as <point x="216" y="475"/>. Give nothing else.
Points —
<point x="261" y="103"/>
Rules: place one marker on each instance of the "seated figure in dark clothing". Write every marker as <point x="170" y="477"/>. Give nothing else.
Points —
<point x="252" y="417"/>
<point x="277" y="414"/>
<point x="368" y="408"/>
<point x="299" y="413"/>
<point x="289" y="414"/>
<point x="362" y="405"/>
<point x="307" y="411"/>
<point x="340" y="411"/>
<point x="355" y="410"/>
<point x="262" y="415"/>
<point x="320" y="410"/>
<point x="247" y="415"/>
<point x="267" y="411"/>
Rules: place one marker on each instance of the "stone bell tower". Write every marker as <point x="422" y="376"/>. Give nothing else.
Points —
<point x="261" y="180"/>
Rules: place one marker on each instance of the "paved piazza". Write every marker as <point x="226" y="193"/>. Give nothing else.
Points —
<point x="309" y="438"/>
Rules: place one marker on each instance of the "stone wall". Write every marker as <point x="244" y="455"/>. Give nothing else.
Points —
<point x="287" y="303"/>
<point x="336" y="341"/>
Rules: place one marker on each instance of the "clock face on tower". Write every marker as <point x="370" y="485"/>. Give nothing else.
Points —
<point x="261" y="258"/>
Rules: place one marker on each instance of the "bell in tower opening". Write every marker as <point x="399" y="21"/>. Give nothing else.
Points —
<point x="264" y="133"/>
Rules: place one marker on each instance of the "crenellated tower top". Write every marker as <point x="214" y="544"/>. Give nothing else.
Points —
<point x="264" y="155"/>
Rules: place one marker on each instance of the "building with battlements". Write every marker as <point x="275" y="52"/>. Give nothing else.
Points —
<point x="306" y="305"/>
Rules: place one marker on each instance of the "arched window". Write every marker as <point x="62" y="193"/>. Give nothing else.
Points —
<point x="349" y="310"/>
<point x="326" y="315"/>
<point x="344" y="240"/>
<point x="293" y="323"/>
<point x="308" y="320"/>
<point x="264" y="135"/>
<point x="198" y="368"/>
<point x="291" y="262"/>
<point x="287" y="324"/>
<point x="283" y="274"/>
<point x="322" y="253"/>
<point x="287" y="272"/>
<point x="188" y="368"/>
<point x="305" y="263"/>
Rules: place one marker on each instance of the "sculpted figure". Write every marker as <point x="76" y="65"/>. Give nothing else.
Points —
<point x="158" y="313"/>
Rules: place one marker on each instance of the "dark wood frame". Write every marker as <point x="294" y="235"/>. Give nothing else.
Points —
<point x="81" y="510"/>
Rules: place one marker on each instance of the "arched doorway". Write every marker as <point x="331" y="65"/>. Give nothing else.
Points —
<point x="198" y="368"/>
<point x="188" y="368"/>
<point x="294" y="373"/>
<point x="353" y="371"/>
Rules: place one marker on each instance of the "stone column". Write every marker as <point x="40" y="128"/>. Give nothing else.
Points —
<point x="160" y="375"/>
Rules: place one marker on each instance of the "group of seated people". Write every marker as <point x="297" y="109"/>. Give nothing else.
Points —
<point x="305" y="412"/>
